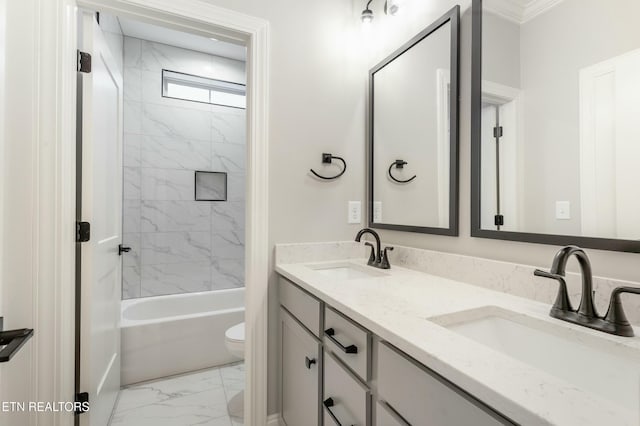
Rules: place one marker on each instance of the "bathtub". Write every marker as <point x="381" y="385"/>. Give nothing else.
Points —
<point x="165" y="335"/>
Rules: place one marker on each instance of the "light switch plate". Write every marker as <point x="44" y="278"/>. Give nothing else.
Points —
<point x="355" y="212"/>
<point x="377" y="211"/>
<point x="563" y="210"/>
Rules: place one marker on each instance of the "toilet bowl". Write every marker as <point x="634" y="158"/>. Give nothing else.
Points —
<point x="234" y="340"/>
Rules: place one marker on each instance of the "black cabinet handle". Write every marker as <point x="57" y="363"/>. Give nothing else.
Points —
<point x="123" y="249"/>
<point x="328" y="403"/>
<point x="351" y="349"/>
<point x="14" y="340"/>
<point x="309" y="362"/>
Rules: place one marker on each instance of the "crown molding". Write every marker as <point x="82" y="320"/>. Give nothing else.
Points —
<point x="519" y="11"/>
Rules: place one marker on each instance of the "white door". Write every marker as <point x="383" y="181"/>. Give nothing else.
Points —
<point x="101" y="206"/>
<point x="609" y="148"/>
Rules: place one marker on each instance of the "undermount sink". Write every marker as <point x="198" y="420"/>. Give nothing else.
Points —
<point x="597" y="365"/>
<point x="346" y="271"/>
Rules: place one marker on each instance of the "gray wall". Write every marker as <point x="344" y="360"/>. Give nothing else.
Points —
<point x="178" y="244"/>
<point x="500" y="50"/>
<point x="320" y="56"/>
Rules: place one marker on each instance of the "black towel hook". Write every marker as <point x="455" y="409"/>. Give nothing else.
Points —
<point x="326" y="159"/>
<point x="399" y="165"/>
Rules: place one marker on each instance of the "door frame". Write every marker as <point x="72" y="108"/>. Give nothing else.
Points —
<point x="190" y="15"/>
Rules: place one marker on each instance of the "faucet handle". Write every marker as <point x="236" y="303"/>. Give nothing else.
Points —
<point x="372" y="254"/>
<point x="616" y="316"/>
<point x="384" y="258"/>
<point x="562" y="302"/>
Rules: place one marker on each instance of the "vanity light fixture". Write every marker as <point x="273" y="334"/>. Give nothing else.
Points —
<point x="367" y="14"/>
<point x="391" y="7"/>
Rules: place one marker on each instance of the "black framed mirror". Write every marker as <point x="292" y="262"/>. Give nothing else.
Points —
<point x="554" y="143"/>
<point x="413" y="133"/>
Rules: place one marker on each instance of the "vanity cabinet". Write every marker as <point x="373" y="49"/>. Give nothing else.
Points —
<point x="413" y="394"/>
<point x="346" y="399"/>
<point x="303" y="306"/>
<point x="335" y="372"/>
<point x="300" y="373"/>
<point x="348" y="341"/>
<point x="385" y="416"/>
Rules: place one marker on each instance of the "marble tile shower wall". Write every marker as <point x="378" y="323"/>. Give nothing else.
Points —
<point x="178" y="244"/>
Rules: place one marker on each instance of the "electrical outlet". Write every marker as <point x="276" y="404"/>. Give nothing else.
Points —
<point x="377" y="211"/>
<point x="563" y="210"/>
<point x="355" y="212"/>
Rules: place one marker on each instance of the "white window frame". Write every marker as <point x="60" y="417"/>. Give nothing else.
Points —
<point x="212" y="85"/>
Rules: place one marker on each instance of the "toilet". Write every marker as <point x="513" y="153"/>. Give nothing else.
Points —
<point x="234" y="340"/>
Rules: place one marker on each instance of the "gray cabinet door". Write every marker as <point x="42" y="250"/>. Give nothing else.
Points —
<point x="301" y="366"/>
<point x="422" y="398"/>
<point x="303" y="306"/>
<point x="349" y="398"/>
<point x="385" y="417"/>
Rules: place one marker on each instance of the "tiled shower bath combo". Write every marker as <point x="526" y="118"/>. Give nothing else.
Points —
<point x="184" y="168"/>
<point x="179" y="245"/>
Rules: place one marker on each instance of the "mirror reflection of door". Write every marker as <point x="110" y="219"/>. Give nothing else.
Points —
<point x="501" y="166"/>
<point x="571" y="165"/>
<point x="610" y="148"/>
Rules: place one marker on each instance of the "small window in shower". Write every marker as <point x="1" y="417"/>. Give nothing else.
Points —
<point x="194" y="88"/>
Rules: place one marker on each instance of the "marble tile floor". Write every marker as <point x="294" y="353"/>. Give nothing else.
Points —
<point x="198" y="398"/>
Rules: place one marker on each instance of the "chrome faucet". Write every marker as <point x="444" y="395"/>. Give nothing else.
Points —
<point x="614" y="321"/>
<point x="378" y="258"/>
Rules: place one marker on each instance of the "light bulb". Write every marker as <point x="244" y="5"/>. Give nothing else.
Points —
<point x="367" y="16"/>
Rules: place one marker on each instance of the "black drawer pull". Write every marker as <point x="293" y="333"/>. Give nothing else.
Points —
<point x="14" y="340"/>
<point x="309" y="362"/>
<point x="328" y="403"/>
<point x="351" y="349"/>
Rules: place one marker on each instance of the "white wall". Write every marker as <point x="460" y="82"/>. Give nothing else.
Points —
<point x="35" y="276"/>
<point x="17" y="234"/>
<point x="500" y="50"/>
<point x="320" y="55"/>
<point x="180" y="245"/>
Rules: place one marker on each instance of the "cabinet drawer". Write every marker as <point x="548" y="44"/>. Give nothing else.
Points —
<point x="386" y="417"/>
<point x="346" y="400"/>
<point x="348" y="341"/>
<point x="300" y="373"/>
<point x="301" y="304"/>
<point x="421" y="397"/>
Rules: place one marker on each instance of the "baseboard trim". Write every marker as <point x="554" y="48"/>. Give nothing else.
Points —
<point x="274" y="420"/>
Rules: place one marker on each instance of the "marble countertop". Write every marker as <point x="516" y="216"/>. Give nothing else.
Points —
<point x="397" y="307"/>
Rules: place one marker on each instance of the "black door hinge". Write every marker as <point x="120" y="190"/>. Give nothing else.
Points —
<point x="83" y="232"/>
<point x="498" y="220"/>
<point x="497" y="132"/>
<point x="84" y="62"/>
<point x="82" y="402"/>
